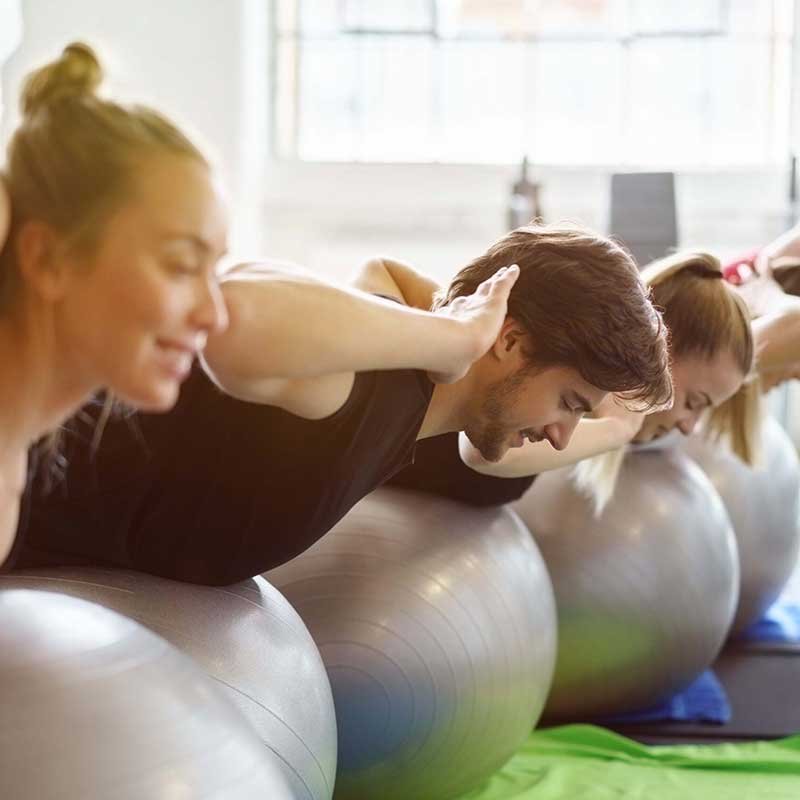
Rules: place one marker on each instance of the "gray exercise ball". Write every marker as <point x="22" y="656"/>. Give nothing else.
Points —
<point x="436" y="623"/>
<point x="645" y="591"/>
<point x="762" y="503"/>
<point x="94" y="706"/>
<point x="248" y="639"/>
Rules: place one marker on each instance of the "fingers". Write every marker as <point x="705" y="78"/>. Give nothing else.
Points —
<point x="502" y="281"/>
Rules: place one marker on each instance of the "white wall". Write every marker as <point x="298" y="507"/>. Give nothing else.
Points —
<point x="186" y="57"/>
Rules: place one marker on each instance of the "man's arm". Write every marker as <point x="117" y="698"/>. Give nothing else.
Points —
<point x="288" y="329"/>
<point x="591" y="438"/>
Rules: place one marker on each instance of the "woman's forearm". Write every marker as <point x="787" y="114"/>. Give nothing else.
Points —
<point x="284" y="325"/>
<point x="591" y="438"/>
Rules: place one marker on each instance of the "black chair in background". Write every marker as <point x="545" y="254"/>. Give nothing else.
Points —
<point x="643" y="214"/>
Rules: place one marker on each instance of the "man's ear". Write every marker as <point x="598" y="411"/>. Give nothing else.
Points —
<point x="509" y="341"/>
<point x="40" y="256"/>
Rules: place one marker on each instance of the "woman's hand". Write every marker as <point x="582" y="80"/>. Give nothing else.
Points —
<point x="480" y="316"/>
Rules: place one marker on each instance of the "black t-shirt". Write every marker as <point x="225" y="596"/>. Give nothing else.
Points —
<point x="438" y="469"/>
<point x="218" y="490"/>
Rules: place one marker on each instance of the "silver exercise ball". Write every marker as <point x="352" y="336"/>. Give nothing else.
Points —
<point x="248" y="639"/>
<point x="762" y="503"/>
<point x="645" y="592"/>
<point x="96" y="707"/>
<point x="437" y="626"/>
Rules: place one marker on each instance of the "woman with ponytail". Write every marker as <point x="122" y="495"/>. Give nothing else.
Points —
<point x="107" y="260"/>
<point x="712" y="350"/>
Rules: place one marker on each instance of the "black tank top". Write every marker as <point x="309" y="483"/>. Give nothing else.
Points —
<point x="438" y="469"/>
<point x="218" y="490"/>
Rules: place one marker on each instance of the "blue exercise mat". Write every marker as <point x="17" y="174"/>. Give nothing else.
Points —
<point x="705" y="700"/>
<point x="780" y="624"/>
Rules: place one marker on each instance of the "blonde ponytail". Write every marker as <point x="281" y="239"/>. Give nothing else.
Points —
<point x="705" y="317"/>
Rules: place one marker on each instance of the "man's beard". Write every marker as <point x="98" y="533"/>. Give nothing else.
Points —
<point x="487" y="432"/>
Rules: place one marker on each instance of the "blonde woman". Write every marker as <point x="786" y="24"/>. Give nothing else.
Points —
<point x="107" y="266"/>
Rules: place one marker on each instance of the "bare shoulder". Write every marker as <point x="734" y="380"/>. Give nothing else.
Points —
<point x="375" y="277"/>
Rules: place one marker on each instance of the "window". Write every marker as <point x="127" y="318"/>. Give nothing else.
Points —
<point x="679" y="84"/>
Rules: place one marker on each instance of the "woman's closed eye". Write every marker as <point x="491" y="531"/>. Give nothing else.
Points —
<point x="187" y="268"/>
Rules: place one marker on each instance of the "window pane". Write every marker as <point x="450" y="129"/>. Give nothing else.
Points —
<point x="702" y="102"/>
<point x="510" y="18"/>
<point x="314" y="17"/>
<point x="668" y="117"/>
<point x="577" y="103"/>
<point x="749" y="124"/>
<point x="484" y="102"/>
<point x="328" y="108"/>
<point x="609" y="82"/>
<point x="757" y="19"/>
<point x="378" y="106"/>
<point x="396" y="91"/>
<point x="389" y="15"/>
<point x="677" y="16"/>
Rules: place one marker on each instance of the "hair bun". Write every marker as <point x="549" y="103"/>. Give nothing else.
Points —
<point x="77" y="73"/>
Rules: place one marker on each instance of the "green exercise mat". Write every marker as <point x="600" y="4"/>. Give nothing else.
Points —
<point x="584" y="762"/>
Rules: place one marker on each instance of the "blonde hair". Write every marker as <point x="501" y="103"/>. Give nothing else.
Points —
<point x="705" y="317"/>
<point x="72" y="161"/>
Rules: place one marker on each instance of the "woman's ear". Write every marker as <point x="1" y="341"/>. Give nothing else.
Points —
<point x="40" y="258"/>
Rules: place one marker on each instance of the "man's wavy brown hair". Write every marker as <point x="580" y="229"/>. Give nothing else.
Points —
<point x="581" y="300"/>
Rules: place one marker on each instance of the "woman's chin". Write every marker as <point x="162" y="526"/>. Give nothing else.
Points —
<point x="154" y="398"/>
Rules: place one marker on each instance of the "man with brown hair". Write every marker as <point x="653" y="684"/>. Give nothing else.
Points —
<point x="231" y="484"/>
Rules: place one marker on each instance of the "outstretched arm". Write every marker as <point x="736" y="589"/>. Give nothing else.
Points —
<point x="288" y="328"/>
<point x="592" y="436"/>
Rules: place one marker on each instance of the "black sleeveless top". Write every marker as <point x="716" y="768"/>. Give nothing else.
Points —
<point x="438" y="469"/>
<point x="218" y="490"/>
